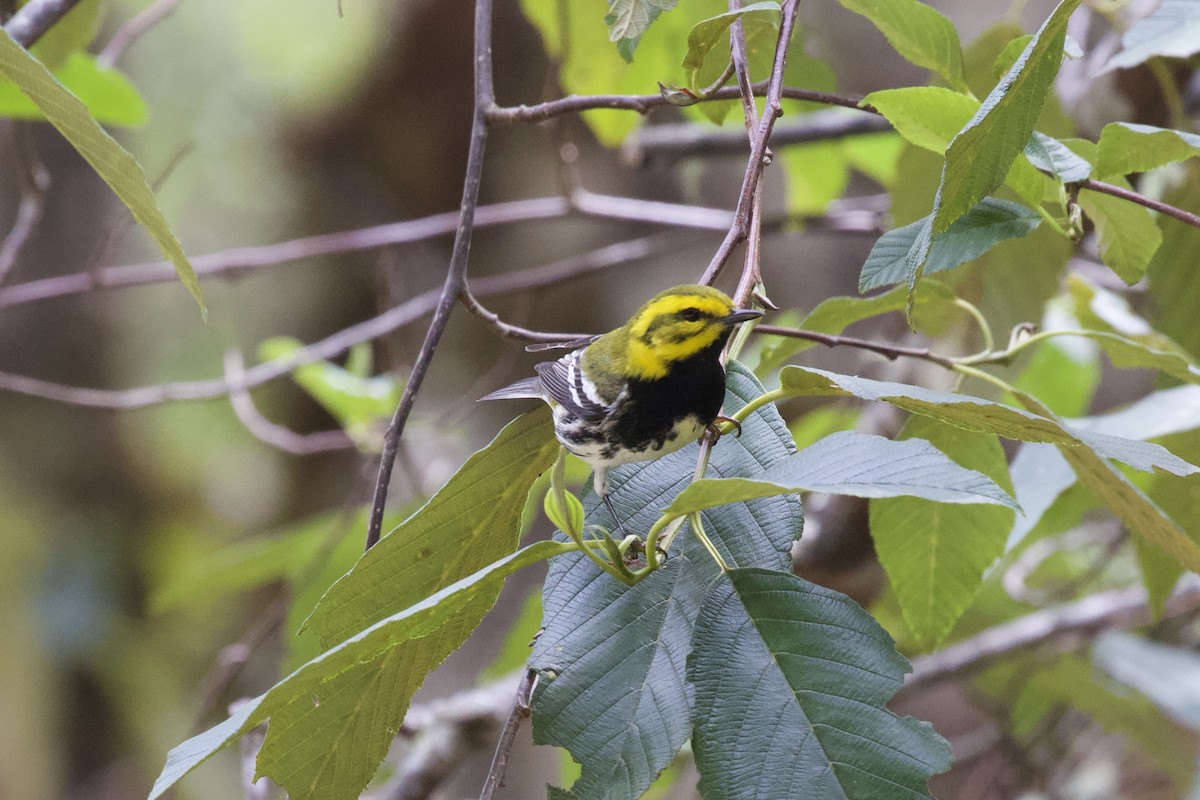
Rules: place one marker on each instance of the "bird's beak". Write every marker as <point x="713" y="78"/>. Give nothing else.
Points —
<point x="742" y="315"/>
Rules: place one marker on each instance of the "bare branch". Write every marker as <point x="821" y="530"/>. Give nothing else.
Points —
<point x="1142" y="200"/>
<point x="33" y="181"/>
<point x="456" y="273"/>
<point x="754" y="167"/>
<point x="520" y="710"/>
<point x="35" y="18"/>
<point x="892" y="352"/>
<point x="266" y="431"/>
<point x="1067" y="626"/>
<point x="511" y="331"/>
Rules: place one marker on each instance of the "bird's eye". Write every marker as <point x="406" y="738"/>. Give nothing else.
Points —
<point x="690" y="314"/>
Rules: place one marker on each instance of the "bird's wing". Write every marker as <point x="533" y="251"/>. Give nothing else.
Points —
<point x="565" y="383"/>
<point x="528" y="388"/>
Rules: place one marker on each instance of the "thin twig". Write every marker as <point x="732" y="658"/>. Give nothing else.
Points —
<point x="1142" y="200"/>
<point x="754" y="167"/>
<point x="33" y="180"/>
<point x="35" y="18"/>
<point x="133" y="29"/>
<point x="1114" y="609"/>
<point x="892" y="352"/>
<point x="644" y="103"/>
<point x="520" y="710"/>
<point x="512" y="331"/>
<point x="266" y="431"/>
<point x="456" y="272"/>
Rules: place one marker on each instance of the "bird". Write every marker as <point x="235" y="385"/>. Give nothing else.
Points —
<point x="643" y="390"/>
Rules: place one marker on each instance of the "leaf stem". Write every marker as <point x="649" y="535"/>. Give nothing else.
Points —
<point x="989" y="343"/>
<point x="698" y="529"/>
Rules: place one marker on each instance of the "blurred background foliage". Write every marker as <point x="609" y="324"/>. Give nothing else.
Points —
<point x="141" y="544"/>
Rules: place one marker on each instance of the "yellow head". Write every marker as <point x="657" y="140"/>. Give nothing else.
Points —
<point x="675" y="325"/>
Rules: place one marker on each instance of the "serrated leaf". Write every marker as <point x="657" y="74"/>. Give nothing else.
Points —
<point x="1049" y="154"/>
<point x="770" y="646"/>
<point x="107" y="94"/>
<point x="612" y="658"/>
<point x="473" y="520"/>
<point x="981" y="154"/>
<point x="926" y="116"/>
<point x="1168" y="676"/>
<point x="437" y="624"/>
<point x="706" y="33"/>
<point x="111" y="161"/>
<point x="1128" y="233"/>
<point x="1172" y="29"/>
<point x="856" y="464"/>
<point x="935" y="555"/>
<point x="1126" y="147"/>
<point x="921" y="34"/>
<point x="980" y="229"/>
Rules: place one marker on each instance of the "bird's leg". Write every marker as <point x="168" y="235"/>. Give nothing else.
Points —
<point x="600" y="484"/>
<point x="714" y="427"/>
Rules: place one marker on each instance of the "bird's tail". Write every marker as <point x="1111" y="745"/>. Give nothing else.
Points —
<point x="530" y="388"/>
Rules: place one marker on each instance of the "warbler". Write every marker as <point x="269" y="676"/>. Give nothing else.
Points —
<point x="643" y="390"/>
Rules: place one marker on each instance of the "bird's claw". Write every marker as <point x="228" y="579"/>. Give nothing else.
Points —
<point x="723" y="425"/>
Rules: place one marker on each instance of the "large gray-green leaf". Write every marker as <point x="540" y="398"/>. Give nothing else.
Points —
<point x="433" y="628"/>
<point x="919" y="33"/>
<point x="857" y="464"/>
<point x="1126" y="147"/>
<point x="791" y="682"/>
<point x="627" y="20"/>
<point x="1172" y="29"/>
<point x="112" y="162"/>
<point x="983" y="227"/>
<point x="612" y="657"/>
<point x="473" y="520"/>
<point x="935" y="555"/>
<point x="1052" y="156"/>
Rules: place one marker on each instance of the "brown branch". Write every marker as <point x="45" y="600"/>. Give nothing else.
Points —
<point x="1142" y="200"/>
<point x="33" y="181"/>
<point x="508" y="330"/>
<point x="754" y="167"/>
<point x="520" y="710"/>
<point x="644" y="103"/>
<point x="456" y="272"/>
<point x="1068" y="626"/>
<point x="266" y="431"/>
<point x="892" y="352"/>
<point x="35" y="18"/>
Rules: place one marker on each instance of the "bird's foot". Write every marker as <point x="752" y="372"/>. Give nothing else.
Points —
<point x="723" y="425"/>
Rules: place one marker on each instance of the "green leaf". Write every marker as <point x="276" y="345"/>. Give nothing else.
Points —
<point x="919" y="33"/>
<point x="1166" y="675"/>
<point x="1049" y="154"/>
<point x="856" y="464"/>
<point x="435" y="626"/>
<point x="1062" y="376"/>
<point x="111" y="161"/>
<point x="935" y="555"/>
<point x="706" y="33"/>
<point x="817" y="174"/>
<point x="473" y="520"/>
<point x="876" y="155"/>
<point x="1039" y="476"/>
<point x="360" y="404"/>
<point x="982" y="153"/>
<point x="70" y="35"/>
<point x="612" y="658"/>
<point x="927" y="116"/>
<point x="772" y="648"/>
<point x="1126" y="147"/>
<point x="979" y="230"/>
<point x="573" y="521"/>
<point x="108" y="95"/>
<point x="1128" y="233"/>
<point x="627" y="20"/>
<point x="1172" y="29"/>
